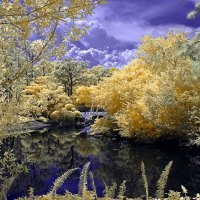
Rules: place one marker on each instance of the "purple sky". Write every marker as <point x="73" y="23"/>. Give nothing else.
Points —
<point x="116" y="29"/>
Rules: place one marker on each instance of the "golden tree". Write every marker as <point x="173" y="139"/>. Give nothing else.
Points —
<point x="69" y="73"/>
<point x="45" y="98"/>
<point x="152" y="96"/>
<point x="20" y="19"/>
<point x="90" y="79"/>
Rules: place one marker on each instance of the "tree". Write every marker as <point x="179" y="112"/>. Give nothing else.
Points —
<point x="23" y="21"/>
<point x="45" y="98"/>
<point x="44" y="68"/>
<point x="69" y="72"/>
<point x="84" y="95"/>
<point x="11" y="61"/>
<point x="20" y="19"/>
<point x="101" y="72"/>
<point x="94" y="75"/>
<point x="152" y="96"/>
<point x="28" y="16"/>
<point x="191" y="48"/>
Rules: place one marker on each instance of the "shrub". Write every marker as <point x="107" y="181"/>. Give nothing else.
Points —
<point x="45" y="98"/>
<point x="152" y="96"/>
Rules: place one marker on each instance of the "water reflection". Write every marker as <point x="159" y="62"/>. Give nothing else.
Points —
<point x="49" y="154"/>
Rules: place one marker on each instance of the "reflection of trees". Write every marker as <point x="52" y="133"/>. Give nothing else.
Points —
<point x="195" y="170"/>
<point x="121" y="161"/>
<point x="186" y="171"/>
<point x="50" y="148"/>
<point x="57" y="147"/>
<point x="87" y="146"/>
<point x="50" y="154"/>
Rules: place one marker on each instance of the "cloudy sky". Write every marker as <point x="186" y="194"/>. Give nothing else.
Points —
<point x="116" y="29"/>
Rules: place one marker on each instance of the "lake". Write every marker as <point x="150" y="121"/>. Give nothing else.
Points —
<point x="49" y="154"/>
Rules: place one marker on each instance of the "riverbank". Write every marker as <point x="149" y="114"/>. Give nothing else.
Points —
<point x="83" y="124"/>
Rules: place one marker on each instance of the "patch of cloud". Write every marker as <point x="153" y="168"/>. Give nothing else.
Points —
<point x="130" y="20"/>
<point x="105" y="58"/>
<point x="134" y="31"/>
<point x="100" y="48"/>
<point x="97" y="37"/>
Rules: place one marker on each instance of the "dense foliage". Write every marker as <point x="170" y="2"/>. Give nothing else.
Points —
<point x="29" y="40"/>
<point x="45" y="98"/>
<point x="154" y="95"/>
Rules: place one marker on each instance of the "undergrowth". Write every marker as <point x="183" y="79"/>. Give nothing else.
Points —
<point x="112" y="192"/>
<point x="9" y="170"/>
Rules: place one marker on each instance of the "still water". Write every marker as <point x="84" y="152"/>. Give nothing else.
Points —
<point x="51" y="153"/>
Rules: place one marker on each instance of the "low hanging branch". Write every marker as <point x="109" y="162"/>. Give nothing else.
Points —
<point x="27" y="17"/>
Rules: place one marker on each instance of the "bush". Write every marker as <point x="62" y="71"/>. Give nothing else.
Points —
<point x="45" y="98"/>
<point x="152" y="96"/>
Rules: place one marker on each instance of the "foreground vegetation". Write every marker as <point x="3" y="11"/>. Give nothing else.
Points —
<point x="111" y="192"/>
<point x="156" y="96"/>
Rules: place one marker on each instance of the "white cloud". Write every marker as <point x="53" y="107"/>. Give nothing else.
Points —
<point x="130" y="20"/>
<point x="134" y="31"/>
<point x="102" y="57"/>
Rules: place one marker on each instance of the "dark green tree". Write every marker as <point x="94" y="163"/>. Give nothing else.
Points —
<point x="70" y="73"/>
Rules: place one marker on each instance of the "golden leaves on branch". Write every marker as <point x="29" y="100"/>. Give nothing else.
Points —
<point x="30" y="15"/>
<point x="47" y="99"/>
<point x="151" y="97"/>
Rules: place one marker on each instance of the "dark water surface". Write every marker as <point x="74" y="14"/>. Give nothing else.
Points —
<point x="51" y="153"/>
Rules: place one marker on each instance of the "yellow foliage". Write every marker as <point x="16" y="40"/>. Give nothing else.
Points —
<point x="102" y="125"/>
<point x="153" y="95"/>
<point x="136" y="122"/>
<point x="69" y="106"/>
<point x="89" y="195"/>
<point x="84" y="95"/>
<point x="43" y="14"/>
<point x="8" y="116"/>
<point x="126" y="85"/>
<point x="46" y="98"/>
<point x="76" y="112"/>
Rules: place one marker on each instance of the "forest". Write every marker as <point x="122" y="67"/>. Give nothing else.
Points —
<point x="96" y="130"/>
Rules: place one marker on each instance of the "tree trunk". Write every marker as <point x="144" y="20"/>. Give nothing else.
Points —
<point x="70" y="89"/>
<point x="65" y="88"/>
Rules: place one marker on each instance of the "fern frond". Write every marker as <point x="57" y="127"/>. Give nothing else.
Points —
<point x="122" y="189"/>
<point x="59" y="181"/>
<point x="83" y="179"/>
<point x="144" y="177"/>
<point x="68" y="194"/>
<point x="172" y="195"/>
<point x="5" y="187"/>
<point x="184" y="190"/>
<point x="162" y="181"/>
<point x="31" y="192"/>
<point x="93" y="184"/>
<point x="110" y="190"/>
